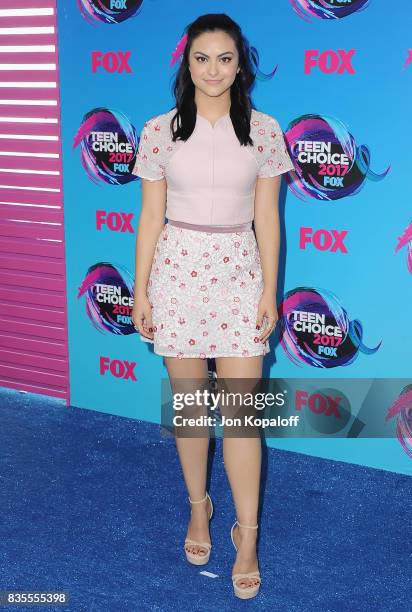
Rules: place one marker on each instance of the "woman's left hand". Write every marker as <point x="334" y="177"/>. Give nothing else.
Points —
<point x="267" y="311"/>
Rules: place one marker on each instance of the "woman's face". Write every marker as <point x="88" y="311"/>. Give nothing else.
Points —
<point x="213" y="62"/>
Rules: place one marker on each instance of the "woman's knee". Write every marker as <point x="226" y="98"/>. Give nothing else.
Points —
<point x="189" y="385"/>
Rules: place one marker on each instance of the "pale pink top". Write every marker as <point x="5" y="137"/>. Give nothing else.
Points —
<point x="211" y="177"/>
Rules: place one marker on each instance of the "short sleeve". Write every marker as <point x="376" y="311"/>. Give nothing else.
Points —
<point x="275" y="158"/>
<point x="148" y="159"/>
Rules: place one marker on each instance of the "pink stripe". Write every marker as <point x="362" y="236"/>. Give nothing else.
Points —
<point x="11" y="214"/>
<point x="9" y="4"/>
<point x="34" y="345"/>
<point x="31" y="197"/>
<point x="23" y="264"/>
<point x="31" y="21"/>
<point x="44" y="316"/>
<point x="42" y="111"/>
<point x="33" y="328"/>
<point x="28" y="39"/>
<point x="28" y="93"/>
<point x="18" y="179"/>
<point x="243" y="227"/>
<point x="19" y="57"/>
<point x="32" y="146"/>
<point x="14" y="244"/>
<point x="32" y="295"/>
<point x="35" y="163"/>
<point x="32" y="280"/>
<point x="26" y="373"/>
<point x="38" y="361"/>
<point x="19" y="76"/>
<point x="32" y="230"/>
<point x="33" y="129"/>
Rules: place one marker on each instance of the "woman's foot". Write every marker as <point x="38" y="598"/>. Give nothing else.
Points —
<point x="198" y="528"/>
<point x="246" y="559"/>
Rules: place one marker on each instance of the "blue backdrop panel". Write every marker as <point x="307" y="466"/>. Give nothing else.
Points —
<point x="341" y="87"/>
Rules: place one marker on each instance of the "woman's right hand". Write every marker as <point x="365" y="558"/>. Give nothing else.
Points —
<point x="142" y="316"/>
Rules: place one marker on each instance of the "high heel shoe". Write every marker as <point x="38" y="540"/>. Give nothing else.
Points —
<point x="200" y="558"/>
<point x="250" y="591"/>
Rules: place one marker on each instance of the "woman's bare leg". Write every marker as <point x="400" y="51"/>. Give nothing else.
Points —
<point x="242" y="459"/>
<point x="192" y="451"/>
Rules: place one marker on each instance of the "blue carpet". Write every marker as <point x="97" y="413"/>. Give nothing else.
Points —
<point x="94" y="505"/>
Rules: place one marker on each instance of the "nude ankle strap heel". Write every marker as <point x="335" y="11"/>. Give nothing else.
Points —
<point x="250" y="591"/>
<point x="201" y="558"/>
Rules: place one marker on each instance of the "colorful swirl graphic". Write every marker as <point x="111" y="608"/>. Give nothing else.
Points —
<point x="109" y="298"/>
<point x="254" y="60"/>
<point x="406" y="239"/>
<point x="108" y="144"/>
<point x="108" y="11"/>
<point x="402" y="409"/>
<point x="315" y="329"/>
<point x="408" y="60"/>
<point x="327" y="9"/>
<point x="328" y="164"/>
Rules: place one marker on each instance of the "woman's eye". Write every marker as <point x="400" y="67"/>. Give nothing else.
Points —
<point x="223" y="59"/>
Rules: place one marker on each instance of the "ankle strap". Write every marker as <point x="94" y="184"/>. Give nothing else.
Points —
<point x="247" y="526"/>
<point x="199" y="501"/>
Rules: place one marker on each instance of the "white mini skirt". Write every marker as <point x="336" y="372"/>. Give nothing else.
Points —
<point x="204" y="288"/>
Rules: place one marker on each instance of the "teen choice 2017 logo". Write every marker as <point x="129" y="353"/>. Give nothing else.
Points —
<point x="406" y="240"/>
<point x="108" y="289"/>
<point x="327" y="9"/>
<point x="328" y="163"/>
<point x="108" y="11"/>
<point x="108" y="143"/>
<point x="315" y="329"/>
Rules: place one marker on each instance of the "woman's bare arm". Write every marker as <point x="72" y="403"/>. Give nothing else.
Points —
<point x="267" y="229"/>
<point x="151" y="223"/>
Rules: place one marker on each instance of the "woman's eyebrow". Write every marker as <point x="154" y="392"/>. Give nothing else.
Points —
<point x="225" y="53"/>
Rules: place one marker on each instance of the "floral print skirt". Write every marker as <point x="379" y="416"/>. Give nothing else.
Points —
<point x="204" y="289"/>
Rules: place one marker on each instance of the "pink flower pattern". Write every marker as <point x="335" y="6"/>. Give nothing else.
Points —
<point x="156" y="147"/>
<point x="205" y="287"/>
<point x="209" y="310"/>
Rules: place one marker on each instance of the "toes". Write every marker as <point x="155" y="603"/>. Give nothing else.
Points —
<point x="245" y="583"/>
<point x="195" y="550"/>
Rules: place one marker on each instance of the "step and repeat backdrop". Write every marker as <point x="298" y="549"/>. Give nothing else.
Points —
<point x="337" y="75"/>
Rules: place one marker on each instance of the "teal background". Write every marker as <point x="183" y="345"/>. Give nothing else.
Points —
<point x="371" y="282"/>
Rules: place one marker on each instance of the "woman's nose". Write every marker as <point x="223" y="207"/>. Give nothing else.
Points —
<point x="212" y="70"/>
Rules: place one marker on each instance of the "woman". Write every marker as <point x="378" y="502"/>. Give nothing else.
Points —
<point x="205" y="283"/>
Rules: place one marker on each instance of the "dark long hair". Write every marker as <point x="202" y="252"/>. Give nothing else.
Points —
<point x="184" y="89"/>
